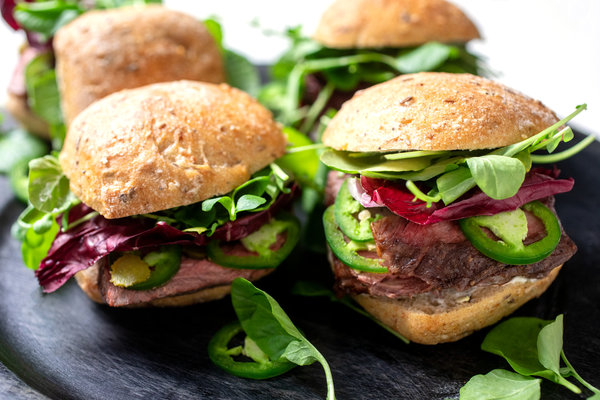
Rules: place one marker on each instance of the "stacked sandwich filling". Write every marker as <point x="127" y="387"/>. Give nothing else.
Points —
<point x="436" y="257"/>
<point x="202" y="246"/>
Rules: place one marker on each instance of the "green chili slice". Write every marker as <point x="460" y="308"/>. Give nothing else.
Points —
<point x="165" y="263"/>
<point x="511" y="252"/>
<point x="260" y="368"/>
<point x="265" y="258"/>
<point x="347" y="252"/>
<point x="346" y="207"/>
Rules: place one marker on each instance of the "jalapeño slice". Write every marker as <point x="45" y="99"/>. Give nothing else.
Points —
<point x="346" y="252"/>
<point x="261" y="367"/>
<point x="515" y="252"/>
<point x="345" y="208"/>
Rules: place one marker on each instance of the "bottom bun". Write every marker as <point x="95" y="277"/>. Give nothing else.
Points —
<point x="87" y="280"/>
<point x="427" y="324"/>
<point x="17" y="107"/>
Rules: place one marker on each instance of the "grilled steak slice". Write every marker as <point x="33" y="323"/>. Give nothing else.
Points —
<point x="193" y="275"/>
<point x="423" y="258"/>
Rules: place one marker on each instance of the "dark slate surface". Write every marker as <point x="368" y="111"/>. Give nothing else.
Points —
<point x="67" y="347"/>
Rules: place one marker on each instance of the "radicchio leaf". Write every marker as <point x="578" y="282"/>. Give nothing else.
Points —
<point x="79" y="248"/>
<point x="7" y="7"/>
<point x="538" y="183"/>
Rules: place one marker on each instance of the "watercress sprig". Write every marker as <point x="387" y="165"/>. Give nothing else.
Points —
<point x="534" y="347"/>
<point x="272" y="331"/>
<point x="345" y="69"/>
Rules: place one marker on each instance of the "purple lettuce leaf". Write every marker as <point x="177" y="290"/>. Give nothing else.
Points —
<point x="80" y="247"/>
<point x="538" y="183"/>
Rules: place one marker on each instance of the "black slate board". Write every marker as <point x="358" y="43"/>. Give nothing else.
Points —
<point x="67" y="347"/>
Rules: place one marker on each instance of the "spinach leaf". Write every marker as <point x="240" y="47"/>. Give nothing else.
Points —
<point x="265" y="322"/>
<point x="499" y="177"/>
<point x="314" y="289"/>
<point x="501" y="384"/>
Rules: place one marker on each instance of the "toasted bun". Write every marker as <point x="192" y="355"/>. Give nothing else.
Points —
<point x="17" y="107"/>
<point x="423" y="323"/>
<point x="105" y="51"/>
<point x="436" y="111"/>
<point x="393" y="23"/>
<point x="88" y="282"/>
<point x="167" y="145"/>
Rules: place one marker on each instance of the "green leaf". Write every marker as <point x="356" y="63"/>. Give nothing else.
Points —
<point x="225" y="201"/>
<point x="48" y="186"/>
<point x="499" y="177"/>
<point x="18" y="145"/>
<point x="214" y="28"/>
<point x="46" y="17"/>
<point x="299" y="352"/>
<point x="501" y="384"/>
<point x="427" y="57"/>
<point x="302" y="165"/>
<point x="342" y="161"/>
<point x="517" y="341"/>
<point x="550" y="343"/>
<point x="454" y="184"/>
<point x="265" y="322"/>
<point x="35" y="245"/>
<point x="241" y="73"/>
<point x="249" y="202"/>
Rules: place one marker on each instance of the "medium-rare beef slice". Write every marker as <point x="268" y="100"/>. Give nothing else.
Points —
<point x="193" y="275"/>
<point x="436" y="257"/>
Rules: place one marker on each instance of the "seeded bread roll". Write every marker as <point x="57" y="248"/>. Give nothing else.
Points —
<point x="105" y="51"/>
<point x="167" y="145"/>
<point x="426" y="324"/>
<point x="436" y="111"/>
<point x="393" y="23"/>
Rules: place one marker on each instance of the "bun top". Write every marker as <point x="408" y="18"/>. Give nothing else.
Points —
<point x="393" y="23"/>
<point x="105" y="51"/>
<point x="436" y="111"/>
<point x="167" y="145"/>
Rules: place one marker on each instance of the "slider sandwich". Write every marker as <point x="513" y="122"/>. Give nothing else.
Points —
<point x="439" y="224"/>
<point x="359" y="43"/>
<point x="162" y="196"/>
<point x="67" y="66"/>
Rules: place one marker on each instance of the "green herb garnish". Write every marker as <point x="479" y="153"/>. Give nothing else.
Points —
<point x="272" y="331"/>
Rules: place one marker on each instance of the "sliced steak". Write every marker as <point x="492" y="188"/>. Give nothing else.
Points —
<point x="193" y="275"/>
<point x="423" y="258"/>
